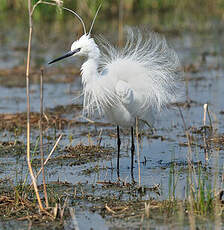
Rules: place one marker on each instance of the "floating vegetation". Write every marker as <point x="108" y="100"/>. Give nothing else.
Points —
<point x="82" y="154"/>
<point x="18" y="121"/>
<point x="217" y="141"/>
<point x="9" y="148"/>
<point x="16" y="207"/>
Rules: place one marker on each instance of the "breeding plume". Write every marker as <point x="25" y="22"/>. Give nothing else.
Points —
<point x="127" y="84"/>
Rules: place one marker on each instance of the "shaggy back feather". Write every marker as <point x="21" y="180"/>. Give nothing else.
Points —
<point x="147" y="63"/>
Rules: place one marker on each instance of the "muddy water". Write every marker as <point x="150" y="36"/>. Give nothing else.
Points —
<point x="201" y="55"/>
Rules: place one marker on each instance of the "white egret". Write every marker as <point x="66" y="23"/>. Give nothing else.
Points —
<point x="129" y="83"/>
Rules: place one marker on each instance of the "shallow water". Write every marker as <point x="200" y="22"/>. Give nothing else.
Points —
<point x="158" y="152"/>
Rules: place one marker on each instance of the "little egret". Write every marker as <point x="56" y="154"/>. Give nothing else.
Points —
<point x="129" y="83"/>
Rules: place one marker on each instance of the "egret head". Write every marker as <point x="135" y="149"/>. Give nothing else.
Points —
<point x="85" y="46"/>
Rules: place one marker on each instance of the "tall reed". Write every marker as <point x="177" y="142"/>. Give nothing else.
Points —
<point x="31" y="9"/>
<point x="28" y="106"/>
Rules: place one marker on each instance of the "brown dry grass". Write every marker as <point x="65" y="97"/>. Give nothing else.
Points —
<point x="18" y="120"/>
<point x="82" y="154"/>
<point x="14" y="206"/>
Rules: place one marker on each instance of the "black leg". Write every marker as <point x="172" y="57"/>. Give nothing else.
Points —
<point x="118" y="152"/>
<point x="132" y="151"/>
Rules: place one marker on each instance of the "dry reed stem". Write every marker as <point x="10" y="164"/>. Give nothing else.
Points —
<point x="204" y="133"/>
<point x="138" y="153"/>
<point x="147" y="209"/>
<point x="217" y="208"/>
<point x="74" y="220"/>
<point x="191" y="216"/>
<point x="187" y="89"/>
<point x="109" y="209"/>
<point x="205" y="112"/>
<point x="49" y="156"/>
<point x="29" y="225"/>
<point x="41" y="138"/>
<point x="48" y="3"/>
<point x="28" y="108"/>
<point x="34" y="6"/>
<point x="188" y="137"/>
<point x="209" y="118"/>
<point x="43" y="2"/>
<point x="99" y="138"/>
<point x="191" y="171"/>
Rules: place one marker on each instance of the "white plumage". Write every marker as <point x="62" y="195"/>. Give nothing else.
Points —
<point x="127" y="84"/>
<point x="135" y="81"/>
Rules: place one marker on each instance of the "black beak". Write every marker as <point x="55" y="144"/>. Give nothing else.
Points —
<point x="70" y="53"/>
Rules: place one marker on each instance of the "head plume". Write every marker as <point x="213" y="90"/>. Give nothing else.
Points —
<point x="92" y="24"/>
<point x="80" y="19"/>
<point x="82" y="22"/>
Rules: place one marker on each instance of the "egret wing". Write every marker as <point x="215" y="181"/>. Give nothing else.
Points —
<point x="133" y="100"/>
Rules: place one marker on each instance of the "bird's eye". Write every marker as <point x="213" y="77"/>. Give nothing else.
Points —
<point x="78" y="49"/>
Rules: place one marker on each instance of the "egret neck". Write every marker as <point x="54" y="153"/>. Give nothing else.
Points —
<point x="89" y="70"/>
